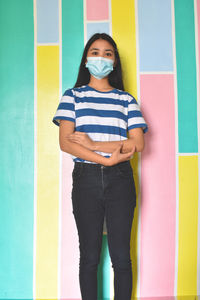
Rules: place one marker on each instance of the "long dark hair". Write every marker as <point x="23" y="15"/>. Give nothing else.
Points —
<point x="114" y="78"/>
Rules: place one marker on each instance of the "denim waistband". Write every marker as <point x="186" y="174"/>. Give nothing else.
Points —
<point x="99" y="166"/>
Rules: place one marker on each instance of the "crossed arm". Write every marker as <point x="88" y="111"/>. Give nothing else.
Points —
<point x="135" y="139"/>
<point x="80" y="145"/>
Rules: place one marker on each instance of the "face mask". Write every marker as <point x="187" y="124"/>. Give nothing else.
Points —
<point x="99" y="67"/>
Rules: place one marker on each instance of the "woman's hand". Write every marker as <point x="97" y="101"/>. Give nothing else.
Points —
<point x="128" y="145"/>
<point x="82" y="139"/>
<point x="118" y="157"/>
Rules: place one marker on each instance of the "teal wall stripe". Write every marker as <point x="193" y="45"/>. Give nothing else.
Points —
<point x="186" y="76"/>
<point x="16" y="148"/>
<point x="72" y="41"/>
<point x="103" y="275"/>
<point x="72" y="50"/>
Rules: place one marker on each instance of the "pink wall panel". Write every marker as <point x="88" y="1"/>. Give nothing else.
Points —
<point x="158" y="190"/>
<point x="97" y="10"/>
<point x="69" y="238"/>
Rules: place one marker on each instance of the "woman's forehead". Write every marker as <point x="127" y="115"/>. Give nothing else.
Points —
<point x="101" y="44"/>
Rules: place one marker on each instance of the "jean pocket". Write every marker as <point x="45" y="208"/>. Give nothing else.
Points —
<point x="125" y="170"/>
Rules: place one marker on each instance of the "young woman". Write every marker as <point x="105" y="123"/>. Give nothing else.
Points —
<point x="94" y="118"/>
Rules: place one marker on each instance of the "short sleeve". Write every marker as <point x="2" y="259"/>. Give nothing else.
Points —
<point x="66" y="109"/>
<point x="135" y="118"/>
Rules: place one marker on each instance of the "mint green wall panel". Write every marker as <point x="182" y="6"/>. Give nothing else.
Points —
<point x="16" y="148"/>
<point x="186" y="76"/>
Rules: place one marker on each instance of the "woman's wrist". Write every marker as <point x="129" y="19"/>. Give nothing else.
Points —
<point x="106" y="161"/>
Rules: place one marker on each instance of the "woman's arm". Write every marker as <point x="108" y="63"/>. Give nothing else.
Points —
<point x="135" y="140"/>
<point x="67" y="128"/>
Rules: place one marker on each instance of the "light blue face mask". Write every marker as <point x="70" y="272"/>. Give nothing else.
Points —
<point x="99" y="67"/>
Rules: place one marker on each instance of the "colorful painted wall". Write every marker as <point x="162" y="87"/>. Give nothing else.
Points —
<point x="41" y="47"/>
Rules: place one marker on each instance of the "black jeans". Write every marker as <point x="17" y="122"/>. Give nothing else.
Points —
<point x="100" y="191"/>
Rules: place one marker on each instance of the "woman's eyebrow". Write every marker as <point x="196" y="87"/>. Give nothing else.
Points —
<point x="94" y="49"/>
<point x="98" y="49"/>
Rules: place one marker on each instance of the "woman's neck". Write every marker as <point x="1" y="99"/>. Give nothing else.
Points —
<point x="100" y="84"/>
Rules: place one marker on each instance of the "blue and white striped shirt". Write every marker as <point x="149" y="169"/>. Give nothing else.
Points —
<point x="104" y="116"/>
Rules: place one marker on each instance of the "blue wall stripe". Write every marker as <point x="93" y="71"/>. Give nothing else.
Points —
<point x="47" y="21"/>
<point x="155" y="35"/>
<point x="97" y="27"/>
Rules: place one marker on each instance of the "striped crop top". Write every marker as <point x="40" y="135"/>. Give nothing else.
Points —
<point x="104" y="116"/>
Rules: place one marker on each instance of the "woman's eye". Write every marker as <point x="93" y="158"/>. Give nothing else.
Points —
<point x="95" y="53"/>
<point x="108" y="54"/>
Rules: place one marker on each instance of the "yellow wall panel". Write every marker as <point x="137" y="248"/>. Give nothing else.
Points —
<point x="47" y="172"/>
<point x="188" y="225"/>
<point x="124" y="34"/>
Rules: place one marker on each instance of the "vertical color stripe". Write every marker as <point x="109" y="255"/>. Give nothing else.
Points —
<point x="60" y="156"/>
<point x="155" y="35"/>
<point x="35" y="148"/>
<point x="16" y="148"/>
<point x="136" y="163"/>
<point x="158" y="190"/>
<point x="198" y="35"/>
<point x="198" y="106"/>
<point x="47" y="21"/>
<point x="176" y="150"/>
<point x="95" y="27"/>
<point x="198" y="238"/>
<point x="103" y="275"/>
<point x="124" y="34"/>
<point x="47" y="172"/>
<point x="188" y="225"/>
<point x="69" y="236"/>
<point x="72" y="40"/>
<point x="104" y="267"/>
<point x="97" y="10"/>
<point x="72" y="48"/>
<point x="92" y="28"/>
<point x="135" y="232"/>
<point x="186" y="76"/>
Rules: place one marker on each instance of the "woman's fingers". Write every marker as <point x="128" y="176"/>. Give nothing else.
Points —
<point x="77" y="136"/>
<point x="82" y="139"/>
<point x="132" y="151"/>
<point x="130" y="154"/>
<point x="127" y="156"/>
<point x="78" y="133"/>
<point x="73" y="138"/>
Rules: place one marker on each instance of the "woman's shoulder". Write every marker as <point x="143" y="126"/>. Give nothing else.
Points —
<point x="128" y="96"/>
<point x="71" y="91"/>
